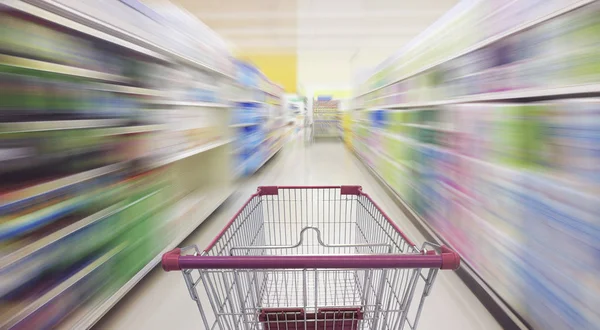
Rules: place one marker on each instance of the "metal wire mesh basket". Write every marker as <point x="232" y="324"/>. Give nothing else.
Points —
<point x="310" y="258"/>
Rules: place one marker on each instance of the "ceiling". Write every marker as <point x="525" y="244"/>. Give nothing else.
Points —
<point x="316" y="25"/>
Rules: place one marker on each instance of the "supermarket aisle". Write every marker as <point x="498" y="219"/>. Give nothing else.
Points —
<point x="161" y="300"/>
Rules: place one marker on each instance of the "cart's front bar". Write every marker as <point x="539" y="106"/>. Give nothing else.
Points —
<point x="448" y="259"/>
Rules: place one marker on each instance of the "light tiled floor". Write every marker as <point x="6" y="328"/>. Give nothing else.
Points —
<point x="161" y="300"/>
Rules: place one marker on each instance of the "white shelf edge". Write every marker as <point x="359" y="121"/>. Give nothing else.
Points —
<point x="429" y="127"/>
<point x="25" y="63"/>
<point x="193" y="104"/>
<point x="38" y="245"/>
<point x="138" y="129"/>
<point x="469" y="269"/>
<point x="499" y="96"/>
<point x="250" y="101"/>
<point x="488" y="41"/>
<point x="244" y="125"/>
<point x="60" y="288"/>
<point x="327" y="135"/>
<point x="59" y="125"/>
<point x="397" y="165"/>
<point x="70" y="24"/>
<point x="271" y="155"/>
<point x="95" y="314"/>
<point x="188" y="153"/>
<point x="63" y="182"/>
<point x="74" y="16"/>
<point x="254" y="88"/>
<point x="126" y="89"/>
<point x="268" y="158"/>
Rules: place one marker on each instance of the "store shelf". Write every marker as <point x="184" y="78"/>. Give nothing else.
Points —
<point x="60" y="289"/>
<point x="466" y="272"/>
<point x="269" y="157"/>
<point x="59" y="125"/>
<point x="205" y="202"/>
<point x="47" y="218"/>
<point x="96" y="127"/>
<point x="44" y="191"/>
<point x="22" y="253"/>
<point x="398" y="136"/>
<point x="75" y="26"/>
<point x="126" y="89"/>
<point x="73" y="19"/>
<point x="525" y="94"/>
<point x="192" y="104"/>
<point x="188" y="153"/>
<point x="258" y="89"/>
<point x="270" y="93"/>
<point x="430" y="127"/>
<point x="517" y="29"/>
<point x="138" y="129"/>
<point x="404" y="139"/>
<point x="26" y="252"/>
<point x="397" y="165"/>
<point x="250" y="101"/>
<point x="245" y="125"/>
<point x="277" y="128"/>
<point x="29" y="64"/>
<point x="15" y="228"/>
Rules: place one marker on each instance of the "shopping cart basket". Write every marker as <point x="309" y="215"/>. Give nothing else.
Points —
<point x="310" y="258"/>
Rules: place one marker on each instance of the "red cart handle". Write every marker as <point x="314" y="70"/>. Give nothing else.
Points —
<point x="448" y="259"/>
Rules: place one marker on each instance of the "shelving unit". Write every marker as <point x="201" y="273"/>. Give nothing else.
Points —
<point x="518" y="95"/>
<point x="109" y="155"/>
<point x="326" y="118"/>
<point x="187" y="153"/>
<point x="257" y="119"/>
<point x="189" y="212"/>
<point x="60" y="125"/>
<point x="53" y="68"/>
<point x="193" y="104"/>
<point x="549" y="13"/>
<point x="477" y="131"/>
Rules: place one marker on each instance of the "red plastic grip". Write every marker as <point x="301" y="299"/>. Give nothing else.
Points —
<point x="450" y="259"/>
<point x="350" y="190"/>
<point x="309" y="262"/>
<point x="170" y="260"/>
<point x="268" y="190"/>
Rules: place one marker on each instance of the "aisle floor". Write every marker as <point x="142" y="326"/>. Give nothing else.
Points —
<point x="161" y="300"/>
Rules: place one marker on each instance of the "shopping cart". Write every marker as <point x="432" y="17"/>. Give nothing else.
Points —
<point x="310" y="258"/>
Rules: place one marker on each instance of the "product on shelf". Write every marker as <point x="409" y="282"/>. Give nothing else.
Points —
<point x="256" y="119"/>
<point x="511" y="186"/>
<point x="84" y="116"/>
<point x="556" y="53"/>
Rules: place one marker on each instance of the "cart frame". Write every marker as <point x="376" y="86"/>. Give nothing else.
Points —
<point x="322" y="257"/>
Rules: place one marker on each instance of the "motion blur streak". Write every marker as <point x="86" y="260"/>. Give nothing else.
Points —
<point x="112" y="152"/>
<point x="497" y="148"/>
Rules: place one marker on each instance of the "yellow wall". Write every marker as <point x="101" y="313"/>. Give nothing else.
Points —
<point x="279" y="68"/>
